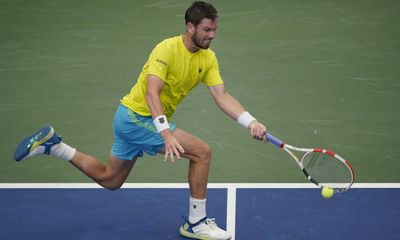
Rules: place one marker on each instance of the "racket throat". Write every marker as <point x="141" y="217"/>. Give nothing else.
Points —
<point x="309" y="177"/>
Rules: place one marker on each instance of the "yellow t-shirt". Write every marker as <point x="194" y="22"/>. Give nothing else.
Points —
<point x="180" y="69"/>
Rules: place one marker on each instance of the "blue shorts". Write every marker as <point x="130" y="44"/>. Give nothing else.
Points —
<point x="135" y="134"/>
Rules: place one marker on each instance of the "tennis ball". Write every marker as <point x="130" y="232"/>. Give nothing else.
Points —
<point x="327" y="192"/>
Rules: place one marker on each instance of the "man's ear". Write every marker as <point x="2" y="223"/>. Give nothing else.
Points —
<point x="190" y="28"/>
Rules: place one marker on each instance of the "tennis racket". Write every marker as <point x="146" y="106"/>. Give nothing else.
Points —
<point x="322" y="167"/>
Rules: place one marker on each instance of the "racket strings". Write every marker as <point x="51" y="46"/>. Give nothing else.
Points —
<point x="327" y="171"/>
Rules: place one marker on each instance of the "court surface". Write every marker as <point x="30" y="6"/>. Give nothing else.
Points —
<point x="318" y="73"/>
<point x="154" y="211"/>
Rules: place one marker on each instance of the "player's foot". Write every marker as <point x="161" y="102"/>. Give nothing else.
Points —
<point x="205" y="229"/>
<point x="37" y="143"/>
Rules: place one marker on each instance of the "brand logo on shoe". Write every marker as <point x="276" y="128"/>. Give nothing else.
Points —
<point x="36" y="137"/>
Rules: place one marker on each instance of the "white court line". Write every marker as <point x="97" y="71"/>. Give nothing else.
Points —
<point x="231" y="211"/>
<point x="185" y="185"/>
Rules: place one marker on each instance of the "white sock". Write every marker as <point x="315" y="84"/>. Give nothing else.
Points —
<point x="197" y="209"/>
<point x="63" y="151"/>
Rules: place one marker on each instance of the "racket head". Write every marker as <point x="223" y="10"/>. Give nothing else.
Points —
<point x="327" y="169"/>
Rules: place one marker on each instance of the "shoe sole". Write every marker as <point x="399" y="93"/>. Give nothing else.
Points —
<point x="187" y="234"/>
<point x="26" y="145"/>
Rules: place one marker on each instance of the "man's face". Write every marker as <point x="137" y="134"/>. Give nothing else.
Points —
<point x="204" y="33"/>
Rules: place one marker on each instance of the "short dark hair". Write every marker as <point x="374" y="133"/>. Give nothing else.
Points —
<point x="199" y="10"/>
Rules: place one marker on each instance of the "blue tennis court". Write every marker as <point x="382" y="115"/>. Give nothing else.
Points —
<point x="138" y="212"/>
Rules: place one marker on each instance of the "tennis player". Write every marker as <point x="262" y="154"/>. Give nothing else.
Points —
<point x="142" y="121"/>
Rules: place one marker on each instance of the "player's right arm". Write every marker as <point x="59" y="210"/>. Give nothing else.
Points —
<point x="154" y="87"/>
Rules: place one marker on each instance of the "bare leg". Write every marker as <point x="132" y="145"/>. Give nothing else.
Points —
<point x="110" y="176"/>
<point x="199" y="154"/>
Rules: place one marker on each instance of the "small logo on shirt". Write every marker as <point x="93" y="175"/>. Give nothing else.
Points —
<point x="200" y="70"/>
<point x="162" y="62"/>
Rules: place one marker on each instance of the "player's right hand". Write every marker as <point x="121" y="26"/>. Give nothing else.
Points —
<point x="257" y="130"/>
<point x="172" y="146"/>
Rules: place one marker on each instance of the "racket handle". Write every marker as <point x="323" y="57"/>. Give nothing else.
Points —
<point x="274" y="140"/>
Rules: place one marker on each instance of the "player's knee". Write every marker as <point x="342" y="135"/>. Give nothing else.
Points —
<point x="205" y="154"/>
<point x="112" y="186"/>
<point x="112" y="183"/>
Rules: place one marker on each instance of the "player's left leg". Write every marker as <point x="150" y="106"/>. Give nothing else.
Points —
<point x="199" y="154"/>
<point x="198" y="225"/>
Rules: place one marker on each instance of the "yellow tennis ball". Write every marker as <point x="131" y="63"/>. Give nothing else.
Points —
<point x="327" y="192"/>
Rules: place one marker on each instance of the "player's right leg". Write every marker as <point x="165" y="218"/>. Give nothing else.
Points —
<point x="41" y="142"/>
<point x="47" y="141"/>
<point x="110" y="176"/>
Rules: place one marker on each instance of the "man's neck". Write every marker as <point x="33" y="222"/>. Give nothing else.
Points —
<point x="187" y="41"/>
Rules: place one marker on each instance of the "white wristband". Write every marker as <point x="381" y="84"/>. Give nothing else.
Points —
<point x="245" y="119"/>
<point x="161" y="123"/>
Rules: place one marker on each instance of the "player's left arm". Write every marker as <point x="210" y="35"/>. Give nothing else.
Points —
<point x="232" y="107"/>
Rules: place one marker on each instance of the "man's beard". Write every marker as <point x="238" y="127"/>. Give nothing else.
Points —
<point x="199" y="43"/>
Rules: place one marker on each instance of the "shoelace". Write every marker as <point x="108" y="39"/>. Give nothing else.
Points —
<point x="211" y="222"/>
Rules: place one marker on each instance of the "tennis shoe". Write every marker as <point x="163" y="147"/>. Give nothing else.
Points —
<point x="206" y="229"/>
<point x="38" y="143"/>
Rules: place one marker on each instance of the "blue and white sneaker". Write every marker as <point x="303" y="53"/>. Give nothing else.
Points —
<point x="205" y="229"/>
<point x="37" y="143"/>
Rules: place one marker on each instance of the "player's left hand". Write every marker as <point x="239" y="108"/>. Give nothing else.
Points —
<point x="172" y="146"/>
<point x="257" y="130"/>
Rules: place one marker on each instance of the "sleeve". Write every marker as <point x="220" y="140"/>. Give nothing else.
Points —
<point x="159" y="61"/>
<point x="213" y="76"/>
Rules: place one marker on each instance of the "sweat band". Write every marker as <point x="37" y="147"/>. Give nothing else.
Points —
<point x="245" y="119"/>
<point x="161" y="123"/>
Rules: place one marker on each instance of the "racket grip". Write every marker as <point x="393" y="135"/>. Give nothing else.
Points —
<point x="274" y="140"/>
